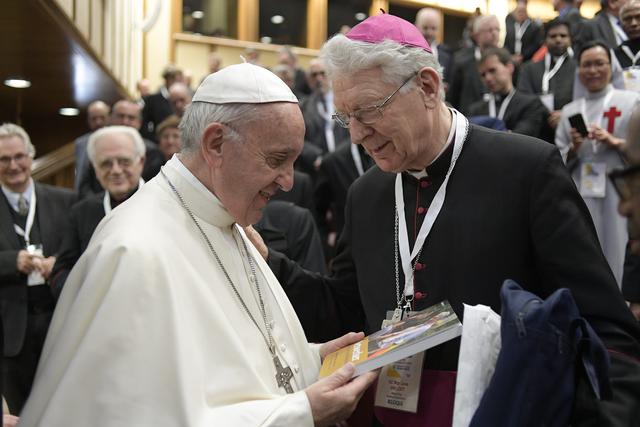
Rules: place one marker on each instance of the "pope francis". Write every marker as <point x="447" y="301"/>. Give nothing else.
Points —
<point x="171" y="317"/>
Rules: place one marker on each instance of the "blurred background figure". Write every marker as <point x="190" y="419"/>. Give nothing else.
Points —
<point x="429" y="21"/>
<point x="157" y="106"/>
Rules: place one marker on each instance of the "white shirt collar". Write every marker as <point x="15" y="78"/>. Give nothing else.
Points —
<point x="13" y="197"/>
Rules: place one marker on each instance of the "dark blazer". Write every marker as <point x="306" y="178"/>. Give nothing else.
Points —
<point x="301" y="194"/>
<point x="600" y="28"/>
<point x="156" y="109"/>
<point x="52" y="208"/>
<point x="445" y="58"/>
<point x="82" y="222"/>
<point x="511" y="211"/>
<point x="531" y="39"/>
<point x="315" y="122"/>
<point x="465" y="87"/>
<point x="525" y="113"/>
<point x="577" y="23"/>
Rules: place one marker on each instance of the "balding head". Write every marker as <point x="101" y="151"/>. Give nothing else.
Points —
<point x="428" y="22"/>
<point x="630" y="19"/>
<point x="486" y="31"/>
<point x="179" y="97"/>
<point x="97" y="115"/>
<point x="126" y="113"/>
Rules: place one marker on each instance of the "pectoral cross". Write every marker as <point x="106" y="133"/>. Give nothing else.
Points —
<point x="283" y="375"/>
<point x="611" y="115"/>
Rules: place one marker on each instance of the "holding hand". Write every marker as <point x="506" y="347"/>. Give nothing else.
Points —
<point x="604" y="137"/>
<point x="25" y="262"/>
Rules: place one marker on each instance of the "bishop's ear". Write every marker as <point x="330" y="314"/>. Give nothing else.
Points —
<point x="212" y="144"/>
<point x="429" y="82"/>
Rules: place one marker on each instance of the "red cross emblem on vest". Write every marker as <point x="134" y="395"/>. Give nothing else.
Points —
<point x="611" y="116"/>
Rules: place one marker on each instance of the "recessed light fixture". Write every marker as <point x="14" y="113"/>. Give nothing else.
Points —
<point x="265" y="39"/>
<point x="360" y="16"/>
<point x="197" y="14"/>
<point x="17" y="83"/>
<point x="69" y="112"/>
<point x="277" y="19"/>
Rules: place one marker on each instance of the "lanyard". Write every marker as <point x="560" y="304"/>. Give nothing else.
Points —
<point x="583" y="109"/>
<point x="355" y="154"/>
<point x="503" y="107"/>
<point x="106" y="200"/>
<point x="632" y="57"/>
<point x="326" y="112"/>
<point x="459" y="127"/>
<point x="26" y="232"/>
<point x="520" y="30"/>
<point x="548" y="74"/>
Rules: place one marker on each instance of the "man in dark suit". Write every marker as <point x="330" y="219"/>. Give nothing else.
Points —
<point x="551" y="78"/>
<point x="157" y="106"/>
<point x="521" y="112"/>
<point x="32" y="216"/>
<point x="466" y="86"/>
<point x="627" y="52"/>
<point x="117" y="154"/>
<point x="462" y="208"/>
<point x="523" y="34"/>
<point x="606" y="25"/>
<point x="97" y="117"/>
<point x="429" y="21"/>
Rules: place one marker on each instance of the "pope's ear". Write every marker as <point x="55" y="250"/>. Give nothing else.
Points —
<point x="212" y="142"/>
<point x="429" y="82"/>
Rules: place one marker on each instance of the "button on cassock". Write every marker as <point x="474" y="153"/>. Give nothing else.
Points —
<point x="425" y="183"/>
<point x="421" y="210"/>
<point x="419" y="266"/>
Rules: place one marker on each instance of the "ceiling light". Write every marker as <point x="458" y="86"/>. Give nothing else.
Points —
<point x="277" y="19"/>
<point x="265" y="39"/>
<point x="69" y="112"/>
<point x="361" y="16"/>
<point x="197" y="14"/>
<point x="18" y="83"/>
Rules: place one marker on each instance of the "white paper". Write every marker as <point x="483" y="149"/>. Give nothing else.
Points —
<point x="593" y="179"/>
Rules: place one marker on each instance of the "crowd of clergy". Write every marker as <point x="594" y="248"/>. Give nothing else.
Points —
<point x="324" y="243"/>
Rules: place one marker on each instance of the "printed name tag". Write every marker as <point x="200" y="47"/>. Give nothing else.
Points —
<point x="593" y="179"/>
<point x="547" y="100"/>
<point x="399" y="384"/>
<point x="632" y="79"/>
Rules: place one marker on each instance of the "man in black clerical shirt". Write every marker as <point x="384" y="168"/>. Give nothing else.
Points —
<point x="521" y="112"/>
<point x="117" y="154"/>
<point x="552" y="78"/>
<point x="463" y="208"/>
<point x="32" y="216"/>
<point x="627" y="53"/>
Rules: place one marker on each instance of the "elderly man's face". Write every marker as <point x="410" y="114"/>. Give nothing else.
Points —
<point x="117" y="164"/>
<point x="488" y="34"/>
<point x="15" y="163"/>
<point x="594" y="70"/>
<point x="179" y="99"/>
<point x="318" y="78"/>
<point x="428" y="25"/>
<point x="169" y="142"/>
<point x="631" y="21"/>
<point x="97" y="116"/>
<point x="396" y="140"/>
<point x="255" y="167"/>
<point x="126" y="114"/>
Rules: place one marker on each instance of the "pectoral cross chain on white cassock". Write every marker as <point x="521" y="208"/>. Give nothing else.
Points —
<point x="283" y="375"/>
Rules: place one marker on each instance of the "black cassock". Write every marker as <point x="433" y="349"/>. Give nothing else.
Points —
<point x="511" y="211"/>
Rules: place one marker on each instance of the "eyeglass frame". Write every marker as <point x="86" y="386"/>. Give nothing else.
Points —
<point x="19" y="158"/>
<point x="377" y="107"/>
<point x="617" y="176"/>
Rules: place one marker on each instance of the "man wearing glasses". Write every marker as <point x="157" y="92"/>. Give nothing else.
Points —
<point x="449" y="213"/>
<point x="627" y="183"/>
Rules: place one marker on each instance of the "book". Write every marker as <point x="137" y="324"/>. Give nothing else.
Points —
<point x="420" y="331"/>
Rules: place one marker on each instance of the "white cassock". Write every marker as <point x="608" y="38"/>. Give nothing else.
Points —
<point x="611" y="109"/>
<point x="148" y="332"/>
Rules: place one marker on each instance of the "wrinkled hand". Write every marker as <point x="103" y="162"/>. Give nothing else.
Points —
<point x="554" y="119"/>
<point x="9" y="420"/>
<point x="635" y="309"/>
<point x="256" y="240"/>
<point x="335" y="345"/>
<point x="334" y="398"/>
<point x="25" y="262"/>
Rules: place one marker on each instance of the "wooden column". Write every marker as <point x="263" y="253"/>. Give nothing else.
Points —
<point x="316" y="23"/>
<point x="248" y="20"/>
<point x="376" y="5"/>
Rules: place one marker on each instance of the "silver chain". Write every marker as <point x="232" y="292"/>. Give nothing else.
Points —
<point x="268" y="339"/>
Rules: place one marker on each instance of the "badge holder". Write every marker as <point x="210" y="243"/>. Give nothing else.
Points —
<point x="593" y="179"/>
<point x="35" y="277"/>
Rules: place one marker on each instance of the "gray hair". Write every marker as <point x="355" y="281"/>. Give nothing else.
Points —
<point x="10" y="129"/>
<point x="628" y="5"/>
<point x="481" y="20"/>
<point x="342" y="55"/>
<point x="199" y="115"/>
<point x="132" y="133"/>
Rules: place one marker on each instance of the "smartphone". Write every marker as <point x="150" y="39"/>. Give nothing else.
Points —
<point x="577" y="121"/>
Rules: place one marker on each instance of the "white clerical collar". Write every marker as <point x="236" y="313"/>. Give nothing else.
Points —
<point x="207" y="202"/>
<point x="423" y="173"/>
<point x="13" y="197"/>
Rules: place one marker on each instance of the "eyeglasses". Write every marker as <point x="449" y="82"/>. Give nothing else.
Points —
<point x="18" y="158"/>
<point x="596" y="65"/>
<point x="123" y="162"/>
<point x="620" y="180"/>
<point x="368" y="115"/>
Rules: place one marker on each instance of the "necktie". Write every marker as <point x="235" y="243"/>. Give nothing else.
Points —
<point x="23" y="209"/>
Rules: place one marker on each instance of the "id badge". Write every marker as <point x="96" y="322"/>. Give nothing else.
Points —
<point x="393" y="317"/>
<point x="35" y="277"/>
<point x="399" y="384"/>
<point x="547" y="100"/>
<point x="632" y="79"/>
<point x="593" y="179"/>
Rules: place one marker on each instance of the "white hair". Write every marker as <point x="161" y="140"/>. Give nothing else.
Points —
<point x="342" y="55"/>
<point x="199" y="115"/>
<point x="10" y="129"/>
<point x="132" y="133"/>
<point x="481" y="20"/>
